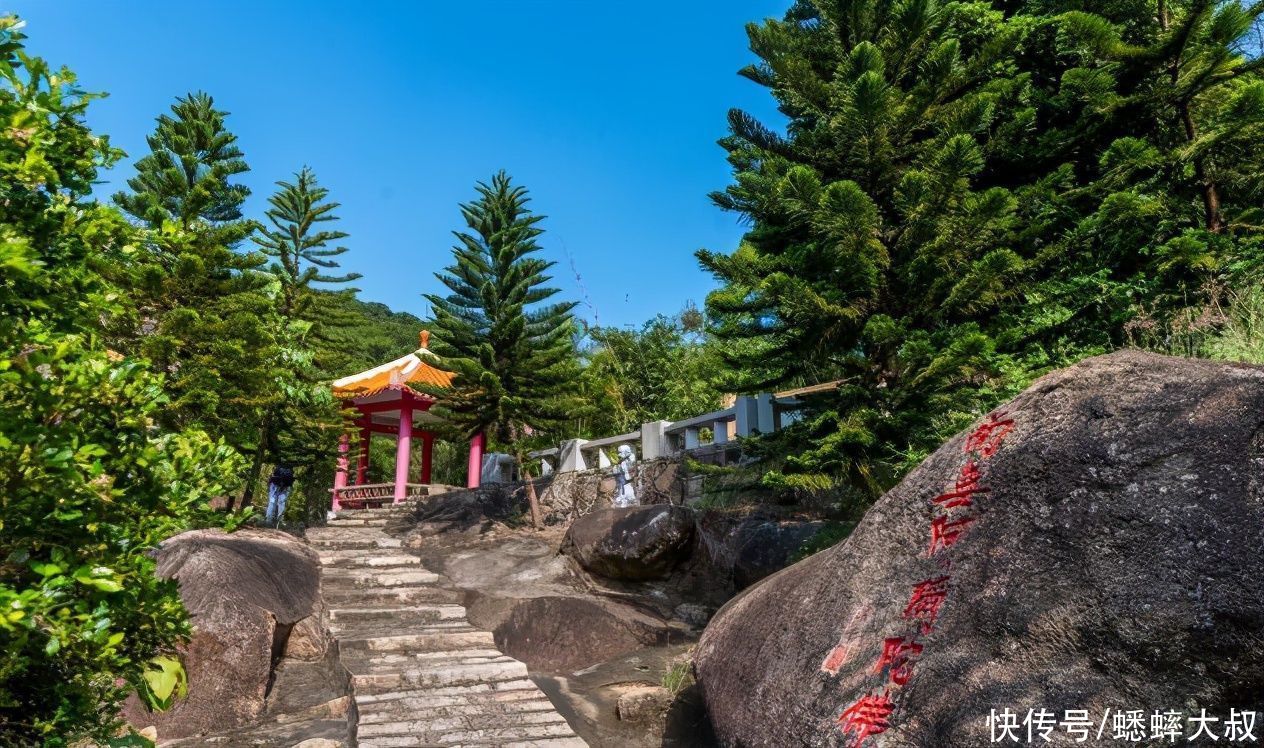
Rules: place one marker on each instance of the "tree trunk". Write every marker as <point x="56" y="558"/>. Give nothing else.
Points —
<point x="256" y="464"/>
<point x="1211" y="194"/>
<point x="1212" y="217"/>
<point x="533" y="501"/>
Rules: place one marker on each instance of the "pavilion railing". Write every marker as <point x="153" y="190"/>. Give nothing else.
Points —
<point x="376" y="493"/>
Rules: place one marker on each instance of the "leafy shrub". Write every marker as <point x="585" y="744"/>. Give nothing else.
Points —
<point x="90" y="486"/>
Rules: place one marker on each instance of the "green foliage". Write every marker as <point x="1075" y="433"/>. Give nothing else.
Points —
<point x="200" y="310"/>
<point x="298" y="245"/>
<point x="965" y="198"/>
<point x="678" y="677"/>
<point x="92" y="487"/>
<point x="185" y="177"/>
<point x="299" y="425"/>
<point x="512" y="354"/>
<point x="665" y="370"/>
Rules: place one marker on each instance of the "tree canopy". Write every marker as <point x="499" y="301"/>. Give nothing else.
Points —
<point x="90" y="486"/>
<point x="510" y="351"/>
<point x="967" y="194"/>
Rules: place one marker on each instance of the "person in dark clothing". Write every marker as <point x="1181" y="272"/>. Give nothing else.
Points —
<point x="278" y="491"/>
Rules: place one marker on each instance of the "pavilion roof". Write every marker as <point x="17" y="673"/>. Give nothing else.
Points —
<point x="396" y="375"/>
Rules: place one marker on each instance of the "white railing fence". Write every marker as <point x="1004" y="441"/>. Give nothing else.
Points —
<point x="749" y="414"/>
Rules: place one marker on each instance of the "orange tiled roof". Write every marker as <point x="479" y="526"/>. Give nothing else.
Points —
<point x="394" y="375"/>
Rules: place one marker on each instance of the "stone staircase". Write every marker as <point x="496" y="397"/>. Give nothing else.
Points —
<point x="421" y="675"/>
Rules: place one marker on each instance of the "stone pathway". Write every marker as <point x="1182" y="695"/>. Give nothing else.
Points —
<point x="421" y="674"/>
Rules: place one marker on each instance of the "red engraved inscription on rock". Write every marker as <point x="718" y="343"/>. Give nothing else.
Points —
<point x="868" y="716"/>
<point x="897" y="654"/>
<point x="924" y="603"/>
<point x="944" y="532"/>
<point x="986" y="439"/>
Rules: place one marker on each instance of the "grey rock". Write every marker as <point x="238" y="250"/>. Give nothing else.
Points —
<point x="761" y="546"/>
<point x="1113" y="562"/>
<point x="631" y="543"/>
<point x="692" y="614"/>
<point x="245" y="592"/>
<point x="644" y="704"/>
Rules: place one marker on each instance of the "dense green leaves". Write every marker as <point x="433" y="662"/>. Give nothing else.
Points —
<point x="665" y="370"/>
<point x="511" y="350"/>
<point x="298" y="243"/>
<point x="969" y="193"/>
<point x="200" y="310"/>
<point x="90" y="485"/>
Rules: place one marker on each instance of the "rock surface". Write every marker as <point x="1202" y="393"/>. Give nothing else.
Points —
<point x="755" y="546"/>
<point x="645" y="703"/>
<point x="1110" y="559"/>
<point x="631" y="543"/>
<point x="246" y="592"/>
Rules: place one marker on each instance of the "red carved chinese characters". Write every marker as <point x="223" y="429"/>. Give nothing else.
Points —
<point x="944" y="532"/>
<point x="923" y="605"/>
<point x="897" y="653"/>
<point x="966" y="486"/>
<point x="869" y="715"/>
<point x="986" y="439"/>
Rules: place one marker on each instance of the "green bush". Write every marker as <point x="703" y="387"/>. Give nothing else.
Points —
<point x="90" y="486"/>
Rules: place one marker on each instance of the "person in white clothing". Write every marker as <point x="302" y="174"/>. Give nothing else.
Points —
<point x="625" y="494"/>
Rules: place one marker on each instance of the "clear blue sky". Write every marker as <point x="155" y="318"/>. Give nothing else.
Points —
<point x="607" y="112"/>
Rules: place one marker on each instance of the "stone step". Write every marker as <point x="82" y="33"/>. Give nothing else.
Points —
<point x="424" y="699"/>
<point x="441" y="641"/>
<point x="401" y="661"/>
<point x="370" y="629"/>
<point x="429" y="674"/>
<point x="491" y="736"/>
<point x="345" y="531"/>
<point x="351" y="558"/>
<point x="381" y="597"/>
<point x="412" y="613"/>
<point x="359" y="522"/>
<point x="355" y="544"/>
<point x="500" y="689"/>
<point x="433" y="728"/>
<point x="321" y="537"/>
<point x="359" y="578"/>
<point x="393" y="510"/>
<point x="472" y="709"/>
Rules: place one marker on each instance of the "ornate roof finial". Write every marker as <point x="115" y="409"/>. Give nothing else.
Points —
<point x="425" y="339"/>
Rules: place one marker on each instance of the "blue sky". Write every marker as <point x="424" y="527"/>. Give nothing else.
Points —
<point x="607" y="112"/>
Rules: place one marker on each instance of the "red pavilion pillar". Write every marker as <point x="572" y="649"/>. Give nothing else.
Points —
<point x="475" y="464"/>
<point x="403" y="449"/>
<point x="340" y="474"/>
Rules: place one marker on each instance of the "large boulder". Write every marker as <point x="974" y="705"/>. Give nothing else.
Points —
<point x="254" y="599"/>
<point x="631" y="543"/>
<point x="1095" y="544"/>
<point x="754" y="546"/>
